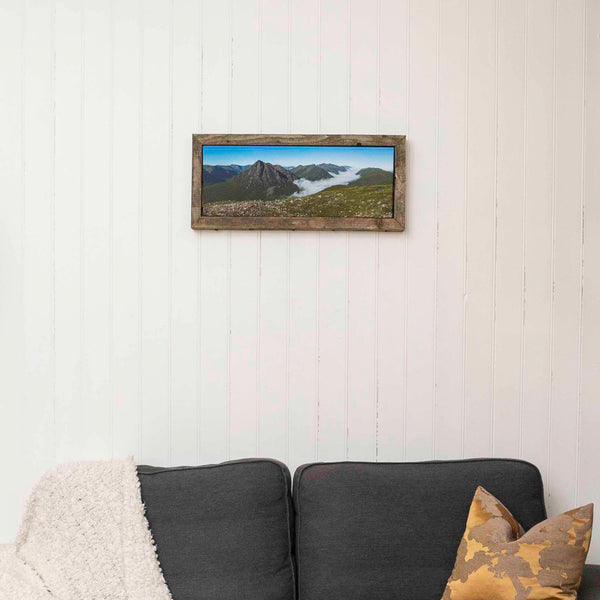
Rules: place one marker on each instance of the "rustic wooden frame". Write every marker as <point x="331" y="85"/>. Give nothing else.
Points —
<point x="396" y="223"/>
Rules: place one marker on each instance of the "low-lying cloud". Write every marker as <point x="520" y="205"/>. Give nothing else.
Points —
<point x="312" y="187"/>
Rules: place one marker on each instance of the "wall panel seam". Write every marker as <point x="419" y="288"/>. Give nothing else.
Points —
<point x="581" y="252"/>
<point x="465" y="233"/>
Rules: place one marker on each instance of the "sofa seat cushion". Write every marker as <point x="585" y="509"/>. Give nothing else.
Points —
<point x="222" y="531"/>
<point x="390" y="531"/>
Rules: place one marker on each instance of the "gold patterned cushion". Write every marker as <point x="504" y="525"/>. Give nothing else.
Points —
<point x="497" y="560"/>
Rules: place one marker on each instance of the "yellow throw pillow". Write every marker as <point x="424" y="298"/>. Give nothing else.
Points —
<point x="497" y="560"/>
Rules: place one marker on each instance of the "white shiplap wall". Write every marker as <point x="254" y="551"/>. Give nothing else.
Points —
<point x="474" y="333"/>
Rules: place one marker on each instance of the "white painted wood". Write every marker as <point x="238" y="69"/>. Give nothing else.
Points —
<point x="214" y="247"/>
<point x="334" y="66"/>
<point x="245" y="246"/>
<point x="96" y="407"/>
<point x="305" y="52"/>
<point x="450" y="247"/>
<point x="334" y="104"/>
<point x="538" y="233"/>
<point x="362" y="341"/>
<point x="245" y="66"/>
<point x="273" y="391"/>
<point x="127" y="155"/>
<point x="391" y="276"/>
<point x="363" y="249"/>
<point x="155" y="215"/>
<point x="184" y="322"/>
<point x="508" y="291"/>
<point x="302" y="381"/>
<point x="475" y="332"/>
<point x="566" y="254"/>
<point x="244" y="348"/>
<point x="37" y="444"/>
<point x="588" y="482"/>
<point x="213" y="426"/>
<point x="12" y="225"/>
<point x="68" y="245"/>
<point x="421" y="230"/>
<point x="302" y="384"/>
<point x="394" y="42"/>
<point x="480" y="232"/>
<point x="274" y="314"/>
<point x="332" y="366"/>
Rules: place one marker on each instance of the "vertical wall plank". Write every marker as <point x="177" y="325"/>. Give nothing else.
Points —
<point x="393" y="66"/>
<point x="96" y="185"/>
<point x="362" y="249"/>
<point x="38" y="443"/>
<point x="302" y="361"/>
<point x="334" y="66"/>
<point x="243" y="407"/>
<point x="274" y="278"/>
<point x="452" y="132"/>
<point x="12" y="424"/>
<point x="538" y="233"/>
<point x="391" y="291"/>
<point x="589" y="483"/>
<point x="422" y="169"/>
<point x="481" y="177"/>
<point x="214" y="246"/>
<point x="68" y="233"/>
<point x="155" y="212"/>
<point x="245" y="246"/>
<point x="304" y="65"/>
<point x="508" y="323"/>
<point x="331" y="442"/>
<point x="333" y="248"/>
<point x="272" y="376"/>
<point x="303" y="263"/>
<point x="127" y="153"/>
<point x="362" y="320"/>
<point x="184" y="256"/>
<point x="213" y="429"/>
<point x="566" y="277"/>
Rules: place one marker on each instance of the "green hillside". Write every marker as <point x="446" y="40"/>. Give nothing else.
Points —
<point x="311" y="172"/>
<point x="373" y="176"/>
<point x="337" y="201"/>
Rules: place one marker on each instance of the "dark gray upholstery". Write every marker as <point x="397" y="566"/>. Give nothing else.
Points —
<point x="222" y="532"/>
<point x="389" y="531"/>
<point x="590" y="585"/>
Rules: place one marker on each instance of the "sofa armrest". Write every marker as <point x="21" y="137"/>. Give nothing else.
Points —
<point x="590" y="583"/>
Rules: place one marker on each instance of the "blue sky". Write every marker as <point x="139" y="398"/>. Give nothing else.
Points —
<point x="287" y="156"/>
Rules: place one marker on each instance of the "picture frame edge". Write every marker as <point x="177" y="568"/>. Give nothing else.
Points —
<point x="394" y="224"/>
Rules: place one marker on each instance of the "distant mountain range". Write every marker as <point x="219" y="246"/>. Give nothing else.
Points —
<point x="220" y="173"/>
<point x="265" y="181"/>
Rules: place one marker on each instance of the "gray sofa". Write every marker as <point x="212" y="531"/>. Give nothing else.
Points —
<point x="349" y="531"/>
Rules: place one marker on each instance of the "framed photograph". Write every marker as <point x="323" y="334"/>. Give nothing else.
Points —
<point x="310" y="182"/>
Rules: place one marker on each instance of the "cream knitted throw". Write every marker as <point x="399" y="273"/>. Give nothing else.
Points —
<point x="84" y="537"/>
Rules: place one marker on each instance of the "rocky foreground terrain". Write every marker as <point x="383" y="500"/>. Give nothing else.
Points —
<point x="373" y="201"/>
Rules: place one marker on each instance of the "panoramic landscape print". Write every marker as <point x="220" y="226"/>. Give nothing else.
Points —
<point x="297" y="181"/>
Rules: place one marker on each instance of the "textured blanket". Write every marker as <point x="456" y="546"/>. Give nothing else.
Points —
<point x="84" y="537"/>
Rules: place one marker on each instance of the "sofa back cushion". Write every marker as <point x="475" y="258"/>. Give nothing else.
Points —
<point x="390" y="531"/>
<point x="222" y="531"/>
